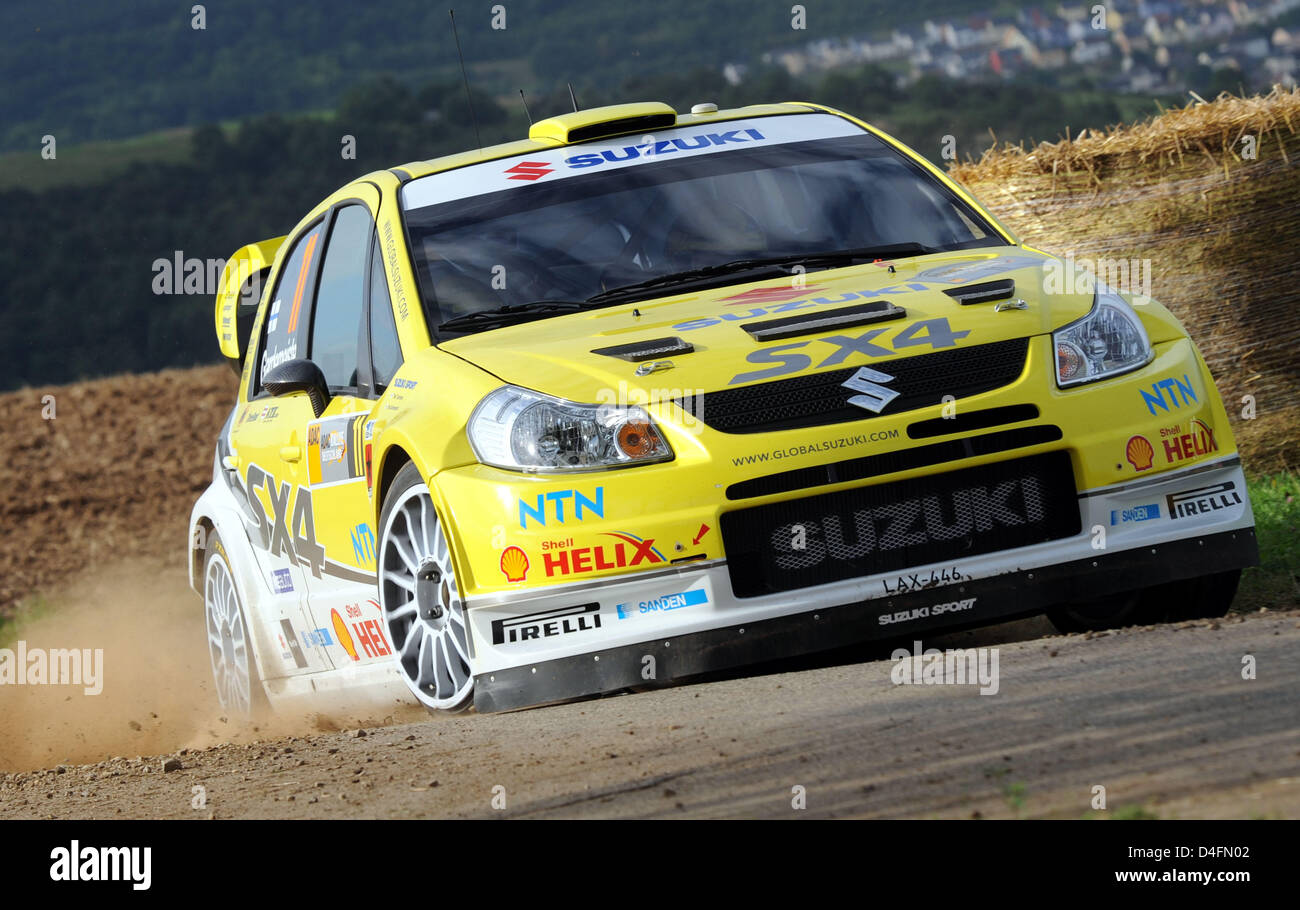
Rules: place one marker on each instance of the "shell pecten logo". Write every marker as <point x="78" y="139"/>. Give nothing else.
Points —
<point x="1139" y="453"/>
<point x="514" y="564"/>
<point x="343" y="635"/>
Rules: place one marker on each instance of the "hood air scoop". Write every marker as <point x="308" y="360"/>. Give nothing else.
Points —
<point x="984" y="292"/>
<point x="842" y="318"/>
<point x="647" y="350"/>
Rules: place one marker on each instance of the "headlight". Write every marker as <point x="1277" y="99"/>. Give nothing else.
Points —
<point x="527" y="431"/>
<point x="1108" y="341"/>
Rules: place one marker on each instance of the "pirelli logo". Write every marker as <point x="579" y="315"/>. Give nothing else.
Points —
<point x="1190" y="503"/>
<point x="546" y="624"/>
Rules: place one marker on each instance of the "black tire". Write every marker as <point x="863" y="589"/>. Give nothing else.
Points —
<point x="1128" y="608"/>
<point x="229" y="637"/>
<point x="1206" y="597"/>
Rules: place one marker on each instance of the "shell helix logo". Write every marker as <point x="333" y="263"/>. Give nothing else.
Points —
<point x="628" y="551"/>
<point x="514" y="564"/>
<point x="368" y="632"/>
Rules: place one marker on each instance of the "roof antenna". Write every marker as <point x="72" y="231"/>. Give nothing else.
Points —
<point x="572" y="98"/>
<point x="527" y="112"/>
<point x="465" y="77"/>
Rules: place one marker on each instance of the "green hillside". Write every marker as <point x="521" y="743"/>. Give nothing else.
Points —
<point x="86" y="71"/>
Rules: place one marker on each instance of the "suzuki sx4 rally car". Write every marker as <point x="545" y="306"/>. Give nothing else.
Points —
<point x="648" y="395"/>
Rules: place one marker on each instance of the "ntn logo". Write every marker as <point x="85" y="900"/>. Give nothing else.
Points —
<point x="1169" y="392"/>
<point x="554" y="503"/>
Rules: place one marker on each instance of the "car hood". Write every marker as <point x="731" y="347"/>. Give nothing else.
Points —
<point x="559" y="355"/>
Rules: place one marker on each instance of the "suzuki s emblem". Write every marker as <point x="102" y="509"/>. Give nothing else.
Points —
<point x="528" y="170"/>
<point x="872" y="396"/>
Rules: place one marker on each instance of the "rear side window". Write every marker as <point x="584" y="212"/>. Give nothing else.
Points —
<point x="285" y="331"/>
<point x="336" y="321"/>
<point x="385" y="352"/>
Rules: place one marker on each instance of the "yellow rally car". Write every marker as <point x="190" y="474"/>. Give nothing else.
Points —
<point x="651" y="394"/>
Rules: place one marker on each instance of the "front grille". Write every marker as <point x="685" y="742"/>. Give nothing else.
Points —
<point x="820" y="399"/>
<point x="899" y="525"/>
<point x="851" y="469"/>
<point x="969" y="421"/>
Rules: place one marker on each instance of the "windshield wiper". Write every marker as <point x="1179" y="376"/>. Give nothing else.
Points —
<point x="511" y="313"/>
<point x="540" y="309"/>
<point x="757" y="263"/>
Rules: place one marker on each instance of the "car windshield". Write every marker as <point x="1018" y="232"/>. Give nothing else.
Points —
<point x="610" y="225"/>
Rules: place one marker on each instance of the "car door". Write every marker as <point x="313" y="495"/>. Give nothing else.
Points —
<point x="351" y="320"/>
<point x="266" y="439"/>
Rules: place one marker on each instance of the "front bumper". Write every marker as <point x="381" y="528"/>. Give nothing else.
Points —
<point x="541" y="645"/>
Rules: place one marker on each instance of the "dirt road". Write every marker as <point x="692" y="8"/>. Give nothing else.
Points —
<point x="1160" y="717"/>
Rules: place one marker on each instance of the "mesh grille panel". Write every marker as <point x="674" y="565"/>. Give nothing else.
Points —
<point x="819" y="399"/>
<point x="907" y="523"/>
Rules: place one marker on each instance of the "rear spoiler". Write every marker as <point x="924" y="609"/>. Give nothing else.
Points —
<point x="238" y="294"/>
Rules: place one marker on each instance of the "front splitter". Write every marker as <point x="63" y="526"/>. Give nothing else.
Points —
<point x="1000" y="597"/>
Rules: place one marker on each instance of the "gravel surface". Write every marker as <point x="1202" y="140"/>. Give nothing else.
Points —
<point x="1161" y="717"/>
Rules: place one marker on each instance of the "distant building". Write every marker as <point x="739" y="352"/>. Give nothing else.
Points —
<point x="1087" y="52"/>
<point x="1145" y="46"/>
<point x="734" y="73"/>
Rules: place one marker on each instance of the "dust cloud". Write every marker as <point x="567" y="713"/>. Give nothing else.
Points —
<point x="157" y="694"/>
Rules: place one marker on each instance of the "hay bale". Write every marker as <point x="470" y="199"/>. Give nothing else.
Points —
<point x="1220" y="230"/>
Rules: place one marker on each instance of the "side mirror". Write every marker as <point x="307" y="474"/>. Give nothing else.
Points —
<point x="245" y="313"/>
<point x="238" y="294"/>
<point x="299" y="376"/>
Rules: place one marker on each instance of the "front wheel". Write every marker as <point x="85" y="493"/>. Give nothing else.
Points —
<point x="420" y="599"/>
<point x="1205" y="597"/>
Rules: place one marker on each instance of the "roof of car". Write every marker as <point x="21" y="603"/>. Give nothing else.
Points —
<point x="550" y="133"/>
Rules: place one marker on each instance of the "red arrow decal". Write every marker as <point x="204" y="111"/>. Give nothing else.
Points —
<point x="704" y="529"/>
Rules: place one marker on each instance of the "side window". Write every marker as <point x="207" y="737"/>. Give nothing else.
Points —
<point x="336" y="320"/>
<point x="284" y="332"/>
<point x="385" y="352"/>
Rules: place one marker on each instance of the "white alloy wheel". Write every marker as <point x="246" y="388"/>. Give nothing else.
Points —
<point x="228" y="647"/>
<point x="421" y="603"/>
